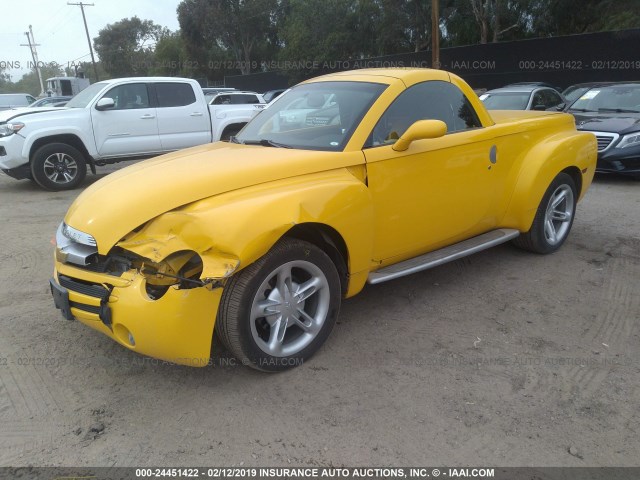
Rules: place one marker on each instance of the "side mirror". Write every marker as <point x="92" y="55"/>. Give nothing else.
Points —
<point x="420" y="130"/>
<point x="105" y="104"/>
<point x="540" y="107"/>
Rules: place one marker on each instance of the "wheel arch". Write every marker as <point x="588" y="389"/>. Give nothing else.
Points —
<point x="575" y="173"/>
<point x="569" y="152"/>
<point x="329" y="240"/>
<point x="232" y="127"/>
<point x="67" y="138"/>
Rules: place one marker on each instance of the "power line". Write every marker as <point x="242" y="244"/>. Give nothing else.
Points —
<point x="86" y="29"/>
<point x="59" y="24"/>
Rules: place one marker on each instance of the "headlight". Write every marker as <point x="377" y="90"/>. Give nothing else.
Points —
<point x="7" y="129"/>
<point x="78" y="236"/>
<point x="631" y="140"/>
<point x="74" y="246"/>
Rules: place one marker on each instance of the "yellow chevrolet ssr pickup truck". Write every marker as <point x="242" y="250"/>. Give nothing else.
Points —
<point x="349" y="178"/>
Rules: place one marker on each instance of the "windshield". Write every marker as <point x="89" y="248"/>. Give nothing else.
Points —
<point x="572" y="93"/>
<point x="315" y="116"/>
<point x="613" y="98"/>
<point x="505" y="101"/>
<point x="82" y="99"/>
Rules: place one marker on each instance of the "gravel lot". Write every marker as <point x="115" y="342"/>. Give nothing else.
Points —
<point x="504" y="358"/>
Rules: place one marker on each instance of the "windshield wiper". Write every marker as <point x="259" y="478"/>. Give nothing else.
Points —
<point x="580" y="110"/>
<point x="618" y="110"/>
<point x="266" y="143"/>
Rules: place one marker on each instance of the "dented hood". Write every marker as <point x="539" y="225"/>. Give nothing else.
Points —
<point x="126" y="199"/>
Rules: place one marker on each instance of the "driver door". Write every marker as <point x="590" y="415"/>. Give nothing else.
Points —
<point x="438" y="191"/>
<point x="130" y="127"/>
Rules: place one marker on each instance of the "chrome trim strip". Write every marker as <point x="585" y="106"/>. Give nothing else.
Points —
<point x="443" y="255"/>
<point x="613" y="136"/>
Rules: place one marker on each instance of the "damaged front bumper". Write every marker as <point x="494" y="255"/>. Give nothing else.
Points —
<point x="177" y="327"/>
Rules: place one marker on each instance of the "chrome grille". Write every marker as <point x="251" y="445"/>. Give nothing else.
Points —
<point x="605" y="140"/>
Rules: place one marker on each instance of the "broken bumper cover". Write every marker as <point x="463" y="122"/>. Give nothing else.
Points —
<point x="178" y="327"/>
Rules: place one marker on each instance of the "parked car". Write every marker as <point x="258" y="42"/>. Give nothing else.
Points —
<point x="523" y="97"/>
<point x="51" y="102"/>
<point x="237" y="98"/>
<point x="214" y="90"/>
<point x="260" y="239"/>
<point x="111" y="121"/>
<point x="573" y="92"/>
<point x="612" y="113"/>
<point x="271" y="95"/>
<point x="15" y="100"/>
<point x="210" y="92"/>
<point x="535" y="84"/>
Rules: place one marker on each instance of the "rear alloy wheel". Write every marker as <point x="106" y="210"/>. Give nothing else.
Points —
<point x="58" y="166"/>
<point x="277" y="312"/>
<point x="553" y="219"/>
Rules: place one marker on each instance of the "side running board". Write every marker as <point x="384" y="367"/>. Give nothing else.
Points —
<point x="444" y="255"/>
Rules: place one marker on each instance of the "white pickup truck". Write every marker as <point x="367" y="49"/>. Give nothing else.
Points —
<point x="111" y="121"/>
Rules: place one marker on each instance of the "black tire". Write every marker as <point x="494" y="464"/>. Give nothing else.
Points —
<point x="247" y="334"/>
<point x="539" y="239"/>
<point x="58" y="166"/>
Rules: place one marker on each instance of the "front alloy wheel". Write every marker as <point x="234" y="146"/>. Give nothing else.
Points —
<point x="58" y="166"/>
<point x="277" y="312"/>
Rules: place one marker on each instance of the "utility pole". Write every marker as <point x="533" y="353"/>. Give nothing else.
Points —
<point x="435" y="34"/>
<point x="34" y="55"/>
<point x="86" y="29"/>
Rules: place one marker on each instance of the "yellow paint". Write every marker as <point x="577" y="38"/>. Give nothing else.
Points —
<point x="230" y="203"/>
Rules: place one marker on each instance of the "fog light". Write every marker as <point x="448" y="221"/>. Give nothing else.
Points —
<point x="124" y="336"/>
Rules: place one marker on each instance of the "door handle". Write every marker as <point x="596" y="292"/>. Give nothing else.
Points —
<point x="196" y="114"/>
<point x="147" y="116"/>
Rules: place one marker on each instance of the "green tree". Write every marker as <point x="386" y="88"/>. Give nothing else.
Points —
<point x="126" y="47"/>
<point x="566" y="17"/>
<point x="219" y="30"/>
<point x="5" y="79"/>
<point x="87" y="68"/>
<point x="170" y="57"/>
<point x="467" y="22"/>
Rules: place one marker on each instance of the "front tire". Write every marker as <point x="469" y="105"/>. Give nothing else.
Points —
<point x="554" y="217"/>
<point x="58" y="166"/>
<point x="277" y="312"/>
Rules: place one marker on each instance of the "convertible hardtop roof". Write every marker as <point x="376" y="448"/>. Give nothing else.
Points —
<point x="407" y="75"/>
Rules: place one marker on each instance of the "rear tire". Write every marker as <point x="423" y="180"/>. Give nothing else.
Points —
<point x="58" y="166"/>
<point x="554" y="217"/>
<point x="278" y="311"/>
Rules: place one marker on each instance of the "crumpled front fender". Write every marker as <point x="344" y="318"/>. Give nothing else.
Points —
<point x="179" y="231"/>
<point x="233" y="230"/>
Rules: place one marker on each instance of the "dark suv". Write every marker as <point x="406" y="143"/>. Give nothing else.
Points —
<point x="612" y="113"/>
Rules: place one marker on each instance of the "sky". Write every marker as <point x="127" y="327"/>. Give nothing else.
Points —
<point x="59" y="29"/>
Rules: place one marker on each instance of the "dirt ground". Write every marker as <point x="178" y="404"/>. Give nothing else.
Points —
<point x="504" y="358"/>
